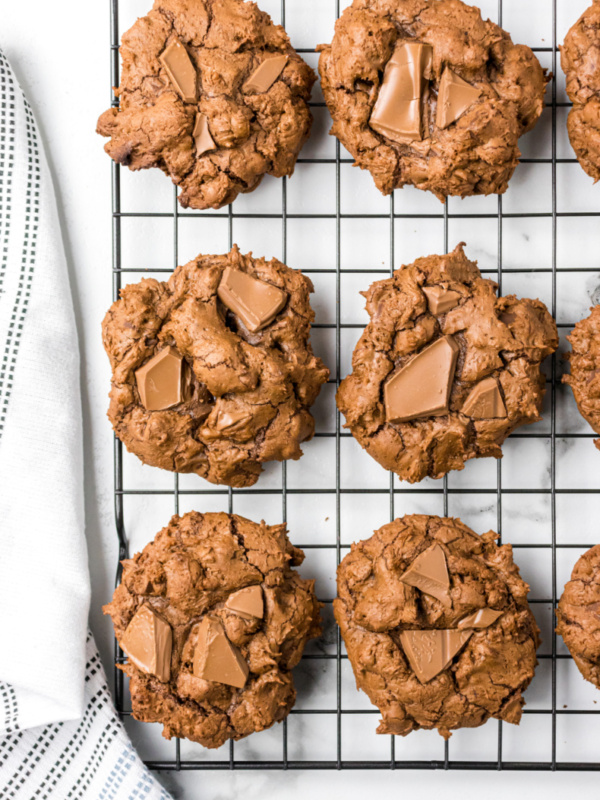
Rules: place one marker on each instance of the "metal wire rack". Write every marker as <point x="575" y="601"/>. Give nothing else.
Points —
<point x="440" y="496"/>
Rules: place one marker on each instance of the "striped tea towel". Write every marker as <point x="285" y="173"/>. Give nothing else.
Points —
<point x="59" y="734"/>
<point x="88" y="759"/>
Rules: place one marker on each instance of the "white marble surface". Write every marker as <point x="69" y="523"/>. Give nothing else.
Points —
<point x="60" y="54"/>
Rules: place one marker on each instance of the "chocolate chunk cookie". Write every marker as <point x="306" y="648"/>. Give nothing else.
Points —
<point x="445" y="370"/>
<point x="213" y="618"/>
<point x="437" y="626"/>
<point x="213" y="371"/>
<point x="213" y="94"/>
<point x="579" y="59"/>
<point x="584" y="379"/>
<point x="429" y="94"/>
<point x="577" y="614"/>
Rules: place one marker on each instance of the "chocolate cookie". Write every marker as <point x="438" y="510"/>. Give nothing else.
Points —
<point x="577" y="614"/>
<point x="213" y="371"/>
<point x="213" y="94"/>
<point x="213" y="619"/>
<point x="584" y="379"/>
<point x="437" y="626"/>
<point x="445" y="370"/>
<point x="429" y="94"/>
<point x="579" y="59"/>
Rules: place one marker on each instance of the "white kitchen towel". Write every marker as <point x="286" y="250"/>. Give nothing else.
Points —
<point x="44" y="580"/>
<point x="60" y="736"/>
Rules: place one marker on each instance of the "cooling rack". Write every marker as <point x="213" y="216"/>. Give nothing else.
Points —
<point x="330" y="221"/>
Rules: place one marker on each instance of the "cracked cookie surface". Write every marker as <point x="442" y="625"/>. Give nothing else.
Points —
<point x="186" y="575"/>
<point x="584" y="358"/>
<point x="252" y="130"/>
<point x="579" y="59"/>
<point x="477" y="152"/>
<point x="501" y="342"/>
<point x="374" y="607"/>
<point x="249" y="393"/>
<point x="577" y="615"/>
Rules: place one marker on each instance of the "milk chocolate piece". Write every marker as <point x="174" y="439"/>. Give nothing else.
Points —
<point x="265" y="75"/>
<point x="202" y="137"/>
<point x="187" y="387"/>
<point x="231" y="420"/>
<point x="216" y="658"/>
<point x="480" y="619"/>
<point x="455" y="96"/>
<point x="440" y="300"/>
<point x="422" y="387"/>
<point x="147" y="641"/>
<point x="429" y="573"/>
<point x="398" y="110"/>
<point x="256" y="303"/>
<point x="430" y="652"/>
<point x="161" y="381"/>
<point x="485" y="401"/>
<point x="181" y="71"/>
<point x="248" y="602"/>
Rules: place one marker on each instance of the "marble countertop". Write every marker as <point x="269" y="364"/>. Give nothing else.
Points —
<point x="60" y="54"/>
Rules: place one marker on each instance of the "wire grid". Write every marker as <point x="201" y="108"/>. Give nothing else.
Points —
<point x="396" y="758"/>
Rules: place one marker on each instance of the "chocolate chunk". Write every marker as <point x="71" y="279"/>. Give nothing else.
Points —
<point x="256" y="303"/>
<point x="455" y="96"/>
<point x="161" y="381"/>
<point x="230" y="420"/>
<point x="181" y="71"/>
<point x="265" y="75"/>
<point x="430" y="652"/>
<point x="187" y="388"/>
<point x="147" y="641"/>
<point x="216" y="658"/>
<point x="398" y="110"/>
<point x="485" y="401"/>
<point x="429" y="573"/>
<point x="247" y="602"/>
<point x="441" y="300"/>
<point x="202" y="137"/>
<point x="422" y="387"/>
<point x="480" y="619"/>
